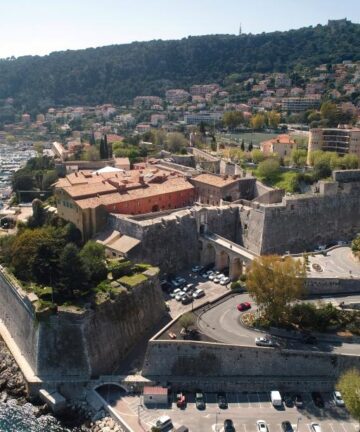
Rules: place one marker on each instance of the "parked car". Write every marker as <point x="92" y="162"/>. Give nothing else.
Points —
<point x="179" y="295"/>
<point x="276" y="399"/>
<point x="212" y="276"/>
<point x="338" y="399"/>
<point x="308" y="338"/>
<point x="225" y="280"/>
<point x="286" y="426"/>
<point x="315" y="427"/>
<point x="187" y="299"/>
<point x="175" y="292"/>
<point x="200" y="400"/>
<point x="288" y="401"/>
<point x="181" y="281"/>
<point x="264" y="342"/>
<point x="243" y="306"/>
<point x="175" y="283"/>
<point x="189" y="287"/>
<point x="318" y="400"/>
<point x="216" y="280"/>
<point x="299" y="401"/>
<point x="196" y="269"/>
<point x="222" y="401"/>
<point x="229" y="426"/>
<point x="164" y="423"/>
<point x="181" y="400"/>
<point x="198" y="293"/>
<point x="261" y="426"/>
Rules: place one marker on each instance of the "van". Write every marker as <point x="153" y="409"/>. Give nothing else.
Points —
<point x="164" y="423"/>
<point x="276" y="398"/>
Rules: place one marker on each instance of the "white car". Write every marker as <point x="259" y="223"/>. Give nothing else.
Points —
<point x="179" y="296"/>
<point x="261" y="426"/>
<point x="338" y="399"/>
<point x="264" y="341"/>
<point x="175" y="292"/>
<point x="212" y="275"/>
<point x="198" y="294"/>
<point x="216" y="279"/>
<point x="315" y="427"/>
<point x="224" y="281"/>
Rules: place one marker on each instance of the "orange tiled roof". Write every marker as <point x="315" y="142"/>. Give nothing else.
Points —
<point x="214" y="180"/>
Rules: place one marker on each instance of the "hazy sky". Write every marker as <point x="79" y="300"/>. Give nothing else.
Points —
<point x="43" y="26"/>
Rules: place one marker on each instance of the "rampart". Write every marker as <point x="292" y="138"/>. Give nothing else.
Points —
<point x="79" y="344"/>
<point x="214" y="361"/>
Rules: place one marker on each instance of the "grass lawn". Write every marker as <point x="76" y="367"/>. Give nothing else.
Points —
<point x="133" y="280"/>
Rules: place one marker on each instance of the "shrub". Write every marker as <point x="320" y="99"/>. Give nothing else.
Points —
<point x="119" y="269"/>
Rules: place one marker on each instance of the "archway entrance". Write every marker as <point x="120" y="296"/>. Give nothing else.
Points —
<point x="155" y="208"/>
<point x="111" y="392"/>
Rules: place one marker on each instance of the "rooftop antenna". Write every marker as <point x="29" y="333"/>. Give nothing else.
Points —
<point x="240" y="30"/>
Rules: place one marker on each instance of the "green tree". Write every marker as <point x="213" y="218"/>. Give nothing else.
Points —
<point x="49" y="178"/>
<point x="92" y="140"/>
<point x="322" y="169"/>
<point x="349" y="386"/>
<point x="187" y="320"/>
<point x="38" y="216"/>
<point x="274" y="283"/>
<point x="92" y="154"/>
<point x="233" y="119"/>
<point x="268" y="170"/>
<point x="175" y="142"/>
<point x="74" y="274"/>
<point x="298" y="157"/>
<point x="93" y="255"/>
<point x="242" y="146"/>
<point x="22" y="181"/>
<point x="258" y="121"/>
<point x="273" y="119"/>
<point x="102" y="149"/>
<point x="355" y="246"/>
<point x="257" y="156"/>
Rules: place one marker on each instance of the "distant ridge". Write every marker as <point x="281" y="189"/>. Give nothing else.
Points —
<point x="117" y="73"/>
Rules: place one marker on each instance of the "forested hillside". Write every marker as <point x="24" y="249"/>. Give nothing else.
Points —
<point x="117" y="73"/>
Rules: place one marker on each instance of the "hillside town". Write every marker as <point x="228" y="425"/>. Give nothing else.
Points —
<point x="188" y="261"/>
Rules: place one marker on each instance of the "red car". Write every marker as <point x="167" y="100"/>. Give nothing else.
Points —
<point x="180" y="400"/>
<point x="243" y="306"/>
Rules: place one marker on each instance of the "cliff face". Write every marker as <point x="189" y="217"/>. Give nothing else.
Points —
<point x="86" y="343"/>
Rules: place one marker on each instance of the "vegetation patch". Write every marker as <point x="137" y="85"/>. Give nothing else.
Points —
<point x="133" y="280"/>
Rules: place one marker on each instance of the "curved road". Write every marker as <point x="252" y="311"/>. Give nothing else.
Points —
<point x="222" y="323"/>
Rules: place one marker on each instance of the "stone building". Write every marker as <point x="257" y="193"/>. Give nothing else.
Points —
<point x="282" y="145"/>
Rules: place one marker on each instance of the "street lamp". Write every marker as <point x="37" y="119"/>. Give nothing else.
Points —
<point x="297" y="424"/>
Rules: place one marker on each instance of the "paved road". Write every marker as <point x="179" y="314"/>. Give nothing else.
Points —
<point x="222" y="323"/>
<point x="244" y="409"/>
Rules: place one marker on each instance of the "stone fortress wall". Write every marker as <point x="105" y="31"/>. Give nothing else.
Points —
<point x="253" y="366"/>
<point x="296" y="224"/>
<point x="80" y="344"/>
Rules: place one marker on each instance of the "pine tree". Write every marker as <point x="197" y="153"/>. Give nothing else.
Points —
<point x="92" y="138"/>
<point x="106" y="148"/>
<point x="242" y="145"/>
<point x="102" y="149"/>
<point x="250" y="146"/>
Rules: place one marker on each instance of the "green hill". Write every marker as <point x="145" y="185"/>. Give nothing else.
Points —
<point x="117" y="73"/>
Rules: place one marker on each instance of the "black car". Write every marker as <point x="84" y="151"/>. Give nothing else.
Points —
<point x="309" y="339"/>
<point x="229" y="426"/>
<point x="318" y="400"/>
<point x="200" y="400"/>
<point x="299" y="403"/>
<point x="286" y="426"/>
<point x="222" y="401"/>
<point x="186" y="299"/>
<point x="288" y="400"/>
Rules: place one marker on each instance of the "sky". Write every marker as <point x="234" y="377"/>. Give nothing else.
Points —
<point x="30" y="27"/>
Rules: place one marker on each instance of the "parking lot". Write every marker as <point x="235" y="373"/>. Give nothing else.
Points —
<point x="245" y="409"/>
<point x="211" y="289"/>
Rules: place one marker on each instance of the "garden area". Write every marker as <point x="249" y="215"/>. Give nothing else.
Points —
<point x="47" y="257"/>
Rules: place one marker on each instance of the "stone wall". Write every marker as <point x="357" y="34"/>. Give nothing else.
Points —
<point x="214" y="360"/>
<point x="81" y="344"/>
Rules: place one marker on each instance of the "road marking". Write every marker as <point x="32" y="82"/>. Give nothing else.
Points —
<point x="249" y="403"/>
<point x="258" y="396"/>
<point x="237" y="399"/>
<point x="244" y="427"/>
<point x="344" y="428"/>
<point x="331" y="427"/>
<point x="308" y="425"/>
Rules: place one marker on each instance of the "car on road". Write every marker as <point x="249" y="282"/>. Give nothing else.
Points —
<point x="318" y="400"/>
<point x="264" y="342"/>
<point x="337" y="397"/>
<point x="286" y="426"/>
<point x="243" y="306"/>
<point x="222" y="401"/>
<point x="198" y="293"/>
<point x="179" y="296"/>
<point x="315" y="427"/>
<point x="200" y="400"/>
<point x="187" y="299"/>
<point x="261" y="426"/>
<point x="299" y="403"/>
<point x="225" y="280"/>
<point x="229" y="426"/>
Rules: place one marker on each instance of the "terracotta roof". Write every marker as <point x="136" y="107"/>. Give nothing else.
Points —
<point x="280" y="139"/>
<point x="155" y="391"/>
<point x="214" y="180"/>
